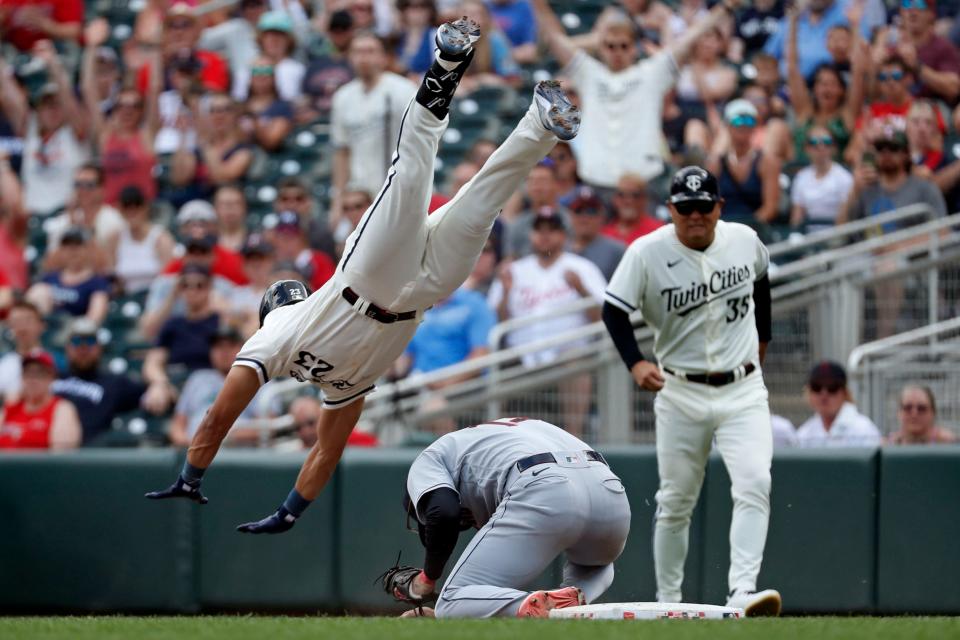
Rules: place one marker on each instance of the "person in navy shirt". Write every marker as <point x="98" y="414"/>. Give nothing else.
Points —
<point x="75" y="290"/>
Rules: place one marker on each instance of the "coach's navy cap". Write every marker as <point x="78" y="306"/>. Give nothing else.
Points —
<point x="548" y="216"/>
<point x="693" y="183"/>
<point x="827" y="372"/>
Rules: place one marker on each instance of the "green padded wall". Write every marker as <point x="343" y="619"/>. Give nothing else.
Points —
<point x="295" y="570"/>
<point x="919" y="549"/>
<point x="821" y="545"/>
<point x="78" y="534"/>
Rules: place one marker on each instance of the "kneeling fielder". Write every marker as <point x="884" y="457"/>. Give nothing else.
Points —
<point x="397" y="263"/>
<point x="534" y="491"/>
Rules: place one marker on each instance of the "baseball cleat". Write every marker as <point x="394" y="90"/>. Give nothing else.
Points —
<point x="455" y="39"/>
<point x="557" y="114"/>
<point x="756" y="603"/>
<point x="539" y="603"/>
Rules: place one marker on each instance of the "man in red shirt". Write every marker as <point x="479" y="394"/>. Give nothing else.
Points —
<point x="181" y="32"/>
<point x="23" y="23"/>
<point x="197" y="224"/>
<point x="934" y="61"/>
<point x="290" y="242"/>
<point x="630" y="202"/>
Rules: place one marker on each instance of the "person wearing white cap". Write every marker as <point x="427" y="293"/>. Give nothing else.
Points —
<point x="749" y="179"/>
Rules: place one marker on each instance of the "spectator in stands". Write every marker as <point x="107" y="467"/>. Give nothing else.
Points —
<point x="631" y="203"/>
<point x="493" y="63"/>
<point x="305" y="410"/>
<point x="365" y="119"/>
<point x="76" y="289"/>
<point x="755" y="23"/>
<point x="589" y="215"/>
<point x="277" y="44"/>
<point x="55" y="136"/>
<point x="840" y="48"/>
<point x="821" y="190"/>
<point x="98" y="394"/>
<point x="180" y="37"/>
<point x="269" y="118"/>
<point x="828" y="102"/>
<point x="813" y="25"/>
<point x="543" y="198"/>
<point x="293" y="195"/>
<point x="235" y="39"/>
<point x="329" y="70"/>
<point x="749" y="179"/>
<point x="933" y="60"/>
<point x="197" y="220"/>
<point x="230" y="206"/>
<point x="222" y="156"/>
<point x="258" y="265"/>
<point x="39" y="419"/>
<point x="884" y="187"/>
<point x="177" y="103"/>
<point x="24" y="24"/>
<point x="621" y="99"/>
<point x="87" y="210"/>
<point x="546" y="282"/>
<point x="414" y="50"/>
<point x="354" y="203"/>
<point x="706" y="81"/>
<point x="124" y="137"/>
<point x="147" y="36"/>
<point x="26" y="325"/>
<point x="568" y="180"/>
<point x="203" y="385"/>
<point x="13" y="112"/>
<point x="182" y="345"/>
<point x="924" y="135"/>
<point x="769" y="79"/>
<point x="13" y="228"/>
<point x="835" y="421"/>
<point x="100" y="68"/>
<point x="142" y="248"/>
<point x="515" y="18"/>
<point x="290" y="241"/>
<point x="650" y="19"/>
<point x="917" y="416"/>
<point x="772" y="134"/>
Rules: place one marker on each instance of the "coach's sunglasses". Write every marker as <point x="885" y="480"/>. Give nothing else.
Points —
<point x="833" y="387"/>
<point x="689" y="207"/>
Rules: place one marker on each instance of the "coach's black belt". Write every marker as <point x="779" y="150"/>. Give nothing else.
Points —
<point x="375" y="312"/>
<point x="715" y="379"/>
<point x="544" y="458"/>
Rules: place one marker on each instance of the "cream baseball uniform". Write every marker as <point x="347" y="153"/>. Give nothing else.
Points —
<point x="573" y="505"/>
<point x="700" y="305"/>
<point x="397" y="258"/>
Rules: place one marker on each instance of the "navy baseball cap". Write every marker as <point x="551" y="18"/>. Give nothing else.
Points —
<point x="827" y="372"/>
<point x="693" y="183"/>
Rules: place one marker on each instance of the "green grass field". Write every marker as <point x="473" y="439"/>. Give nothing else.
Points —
<point x="281" y="628"/>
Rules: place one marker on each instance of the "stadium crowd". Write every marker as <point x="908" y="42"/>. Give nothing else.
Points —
<point x="162" y="162"/>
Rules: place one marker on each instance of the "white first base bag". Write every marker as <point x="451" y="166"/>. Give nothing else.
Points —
<point x="648" y="611"/>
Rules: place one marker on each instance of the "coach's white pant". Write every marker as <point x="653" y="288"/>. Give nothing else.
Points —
<point x="689" y="416"/>
<point x="402" y="259"/>
<point x="583" y="512"/>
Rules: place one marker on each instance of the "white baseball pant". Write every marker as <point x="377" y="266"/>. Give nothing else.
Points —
<point x="689" y="416"/>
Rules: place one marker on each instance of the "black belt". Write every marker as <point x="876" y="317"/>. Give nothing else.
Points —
<point x="715" y="379"/>
<point x="375" y="312"/>
<point x="545" y="458"/>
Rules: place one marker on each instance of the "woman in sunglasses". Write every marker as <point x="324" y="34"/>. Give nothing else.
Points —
<point x="820" y="190"/>
<point x="917" y="416"/>
<point x="835" y="421"/>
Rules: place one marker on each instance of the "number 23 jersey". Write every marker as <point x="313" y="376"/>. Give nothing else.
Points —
<point x="699" y="303"/>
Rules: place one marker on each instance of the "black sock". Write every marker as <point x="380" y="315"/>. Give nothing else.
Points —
<point x="438" y="86"/>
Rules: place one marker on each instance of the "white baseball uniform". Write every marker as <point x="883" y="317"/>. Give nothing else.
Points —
<point x="526" y="518"/>
<point x="397" y="258"/>
<point x="700" y="306"/>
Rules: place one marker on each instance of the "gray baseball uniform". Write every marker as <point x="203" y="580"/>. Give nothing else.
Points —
<point x="574" y="504"/>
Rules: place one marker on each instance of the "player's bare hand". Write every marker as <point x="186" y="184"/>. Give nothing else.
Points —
<point x="419" y="612"/>
<point x="647" y="376"/>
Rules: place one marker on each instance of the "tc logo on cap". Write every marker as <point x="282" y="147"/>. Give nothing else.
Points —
<point x="694" y="183"/>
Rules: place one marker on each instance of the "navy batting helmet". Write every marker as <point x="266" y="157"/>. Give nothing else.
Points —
<point x="693" y="183"/>
<point x="280" y="294"/>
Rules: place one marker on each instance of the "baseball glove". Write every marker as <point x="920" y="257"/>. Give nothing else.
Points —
<point x="397" y="582"/>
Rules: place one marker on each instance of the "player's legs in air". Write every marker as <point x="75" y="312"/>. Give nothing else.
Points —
<point x="457" y="232"/>
<point x="583" y="512"/>
<point x="377" y="245"/>
<point x="382" y="257"/>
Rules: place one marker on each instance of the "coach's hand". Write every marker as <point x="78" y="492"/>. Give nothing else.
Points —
<point x="647" y="376"/>
<point x="279" y="522"/>
<point x="179" y="489"/>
